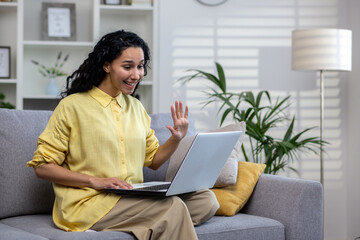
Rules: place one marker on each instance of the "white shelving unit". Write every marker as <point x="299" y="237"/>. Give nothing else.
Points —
<point x="26" y="88"/>
<point x="10" y="81"/>
<point x="8" y="25"/>
<point x="57" y="43"/>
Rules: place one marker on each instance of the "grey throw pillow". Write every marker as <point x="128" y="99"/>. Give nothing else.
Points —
<point x="228" y="174"/>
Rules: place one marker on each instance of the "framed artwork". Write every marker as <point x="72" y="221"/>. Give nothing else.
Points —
<point x="4" y="62"/>
<point x="58" y="21"/>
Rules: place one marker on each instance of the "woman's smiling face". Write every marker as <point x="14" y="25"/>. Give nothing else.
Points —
<point x="124" y="73"/>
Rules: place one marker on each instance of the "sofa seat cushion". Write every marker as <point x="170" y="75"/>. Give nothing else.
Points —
<point x="239" y="226"/>
<point x="43" y="226"/>
<point x="8" y="232"/>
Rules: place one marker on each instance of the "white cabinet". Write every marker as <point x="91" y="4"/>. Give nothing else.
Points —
<point x="8" y="38"/>
<point x="93" y="19"/>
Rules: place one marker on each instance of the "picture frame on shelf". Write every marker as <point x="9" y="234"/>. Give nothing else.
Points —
<point x="58" y="21"/>
<point x="4" y="62"/>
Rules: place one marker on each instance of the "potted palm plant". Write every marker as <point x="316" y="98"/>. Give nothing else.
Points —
<point x="260" y="117"/>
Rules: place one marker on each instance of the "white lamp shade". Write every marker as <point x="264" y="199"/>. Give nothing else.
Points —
<point x="321" y="49"/>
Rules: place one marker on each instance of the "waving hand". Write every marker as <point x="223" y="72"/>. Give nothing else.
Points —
<point x="180" y="119"/>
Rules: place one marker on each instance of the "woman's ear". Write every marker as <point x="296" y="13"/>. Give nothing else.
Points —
<point x="106" y="67"/>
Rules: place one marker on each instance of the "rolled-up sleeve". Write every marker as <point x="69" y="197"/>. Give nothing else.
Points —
<point x="52" y="145"/>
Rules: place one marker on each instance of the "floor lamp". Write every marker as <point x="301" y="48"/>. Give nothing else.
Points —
<point x="324" y="49"/>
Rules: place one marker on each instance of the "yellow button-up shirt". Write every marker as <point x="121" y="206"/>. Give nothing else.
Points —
<point x="94" y="134"/>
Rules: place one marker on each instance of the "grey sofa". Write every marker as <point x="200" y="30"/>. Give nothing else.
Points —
<point x="279" y="208"/>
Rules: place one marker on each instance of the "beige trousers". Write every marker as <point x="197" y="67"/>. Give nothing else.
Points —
<point x="160" y="218"/>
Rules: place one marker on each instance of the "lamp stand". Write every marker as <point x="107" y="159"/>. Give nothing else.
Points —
<point x="321" y="49"/>
<point x="321" y="147"/>
<point x="321" y="125"/>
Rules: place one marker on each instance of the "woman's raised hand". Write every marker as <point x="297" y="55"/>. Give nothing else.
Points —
<point x="180" y="119"/>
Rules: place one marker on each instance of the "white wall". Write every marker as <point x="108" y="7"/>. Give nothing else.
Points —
<point x="353" y="120"/>
<point x="252" y="40"/>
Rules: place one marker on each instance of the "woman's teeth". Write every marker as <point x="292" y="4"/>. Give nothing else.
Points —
<point x="131" y="84"/>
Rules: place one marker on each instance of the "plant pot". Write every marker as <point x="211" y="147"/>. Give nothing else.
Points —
<point x="52" y="88"/>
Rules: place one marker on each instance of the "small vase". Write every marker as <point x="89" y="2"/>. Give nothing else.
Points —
<point x="52" y="88"/>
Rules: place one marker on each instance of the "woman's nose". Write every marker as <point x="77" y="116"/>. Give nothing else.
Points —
<point x="136" y="74"/>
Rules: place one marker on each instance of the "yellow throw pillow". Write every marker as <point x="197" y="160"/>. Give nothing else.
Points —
<point x="233" y="198"/>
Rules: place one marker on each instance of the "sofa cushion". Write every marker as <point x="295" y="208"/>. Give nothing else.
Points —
<point x="21" y="191"/>
<point x="42" y="225"/>
<point x="158" y="124"/>
<point x="233" y="198"/>
<point x="240" y="226"/>
<point x="8" y="232"/>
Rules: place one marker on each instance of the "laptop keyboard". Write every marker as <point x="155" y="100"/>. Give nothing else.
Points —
<point x="156" y="187"/>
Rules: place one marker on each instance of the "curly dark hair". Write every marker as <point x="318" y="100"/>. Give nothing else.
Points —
<point x="91" y="72"/>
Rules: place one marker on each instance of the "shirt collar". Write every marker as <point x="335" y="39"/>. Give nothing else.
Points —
<point x="104" y="99"/>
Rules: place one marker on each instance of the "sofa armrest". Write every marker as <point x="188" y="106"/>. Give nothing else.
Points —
<point x="296" y="203"/>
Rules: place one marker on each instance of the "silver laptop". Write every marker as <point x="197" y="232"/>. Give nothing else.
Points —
<point x="199" y="169"/>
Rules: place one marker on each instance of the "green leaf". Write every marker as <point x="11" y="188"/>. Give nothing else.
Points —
<point x="244" y="153"/>
<point x="258" y="99"/>
<point x="227" y="111"/>
<point x="221" y="75"/>
<point x="289" y="130"/>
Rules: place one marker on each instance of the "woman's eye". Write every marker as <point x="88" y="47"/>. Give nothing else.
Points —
<point x="141" y="66"/>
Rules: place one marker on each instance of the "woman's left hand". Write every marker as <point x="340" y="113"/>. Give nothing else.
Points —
<point x="178" y="132"/>
<point x="181" y="122"/>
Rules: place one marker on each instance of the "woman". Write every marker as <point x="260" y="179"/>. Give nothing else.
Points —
<point x="99" y="137"/>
